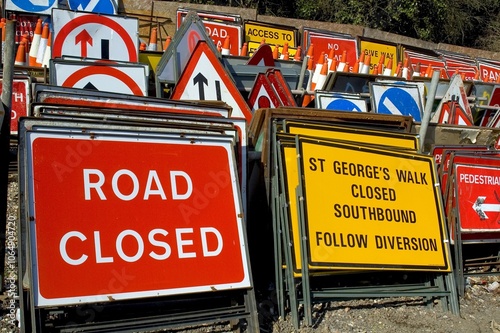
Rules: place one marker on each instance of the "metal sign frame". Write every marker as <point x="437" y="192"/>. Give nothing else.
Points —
<point x="210" y="312"/>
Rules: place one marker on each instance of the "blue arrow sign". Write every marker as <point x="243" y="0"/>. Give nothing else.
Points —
<point x="94" y="6"/>
<point x="343" y="105"/>
<point x="32" y="6"/>
<point x="398" y="101"/>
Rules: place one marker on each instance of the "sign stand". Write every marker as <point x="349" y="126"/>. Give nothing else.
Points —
<point x="146" y="303"/>
<point x="306" y="286"/>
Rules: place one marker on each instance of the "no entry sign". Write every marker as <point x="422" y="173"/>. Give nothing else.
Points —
<point x="163" y="218"/>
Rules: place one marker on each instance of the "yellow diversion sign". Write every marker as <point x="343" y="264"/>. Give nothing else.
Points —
<point x="371" y="208"/>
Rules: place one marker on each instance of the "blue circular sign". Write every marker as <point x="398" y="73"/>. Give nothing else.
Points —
<point x="28" y="6"/>
<point x="398" y="101"/>
<point x="343" y="105"/>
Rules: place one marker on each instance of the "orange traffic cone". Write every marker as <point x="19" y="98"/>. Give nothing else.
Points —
<point x="43" y="45"/>
<point x="48" y="52"/>
<point x="284" y="50"/>
<point x="375" y="69"/>
<point x="263" y="41"/>
<point x="152" y="46"/>
<point x="276" y="52"/>
<point x="142" y="46"/>
<point x="317" y="68"/>
<point x="366" y="65"/>
<point x="428" y="71"/>
<point x="226" y="47"/>
<point x="355" y="68"/>
<point x="244" y="50"/>
<point x="380" y="66"/>
<point x="388" y="68"/>
<point x="310" y="50"/>
<point x="477" y="76"/>
<point x="21" y="55"/>
<point x="286" y="56"/>
<point x="26" y="41"/>
<point x="342" y="65"/>
<point x="322" y="76"/>
<point x="307" y="98"/>
<point x="167" y="43"/>
<point x="35" y="43"/>
<point x="298" y="54"/>
<point x="333" y="66"/>
<point x="405" y="70"/>
<point x="399" y="69"/>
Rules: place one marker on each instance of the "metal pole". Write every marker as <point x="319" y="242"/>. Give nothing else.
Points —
<point x="428" y="108"/>
<point x="8" y="74"/>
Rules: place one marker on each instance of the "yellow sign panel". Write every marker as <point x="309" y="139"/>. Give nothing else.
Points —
<point x="377" y="50"/>
<point x="253" y="46"/>
<point x="385" y="138"/>
<point x="273" y="35"/>
<point x="151" y="58"/>
<point x="371" y="208"/>
<point x="362" y="136"/>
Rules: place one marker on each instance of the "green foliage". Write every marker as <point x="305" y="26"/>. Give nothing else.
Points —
<point x="470" y="23"/>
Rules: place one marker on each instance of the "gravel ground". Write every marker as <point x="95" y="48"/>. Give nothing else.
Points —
<point x="479" y="308"/>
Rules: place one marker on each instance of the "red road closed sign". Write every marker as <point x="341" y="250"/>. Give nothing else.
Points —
<point x="120" y="218"/>
<point x="478" y="197"/>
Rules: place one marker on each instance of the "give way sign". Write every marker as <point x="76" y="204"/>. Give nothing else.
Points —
<point x="89" y="35"/>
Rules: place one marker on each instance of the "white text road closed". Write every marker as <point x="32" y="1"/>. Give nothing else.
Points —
<point x="139" y="217"/>
<point x="89" y="35"/>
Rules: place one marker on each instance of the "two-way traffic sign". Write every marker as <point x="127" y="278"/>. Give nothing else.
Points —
<point x="205" y="78"/>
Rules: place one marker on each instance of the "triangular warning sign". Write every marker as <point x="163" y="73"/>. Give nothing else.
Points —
<point x="281" y="87"/>
<point x="455" y="90"/>
<point x="262" y="94"/>
<point x="174" y="59"/>
<point x="262" y="57"/>
<point x="205" y="78"/>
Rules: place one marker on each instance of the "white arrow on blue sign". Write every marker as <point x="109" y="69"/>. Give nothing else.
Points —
<point x="400" y="100"/>
<point x="94" y="6"/>
<point x="31" y="6"/>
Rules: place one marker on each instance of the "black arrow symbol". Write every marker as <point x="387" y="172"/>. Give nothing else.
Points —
<point x="200" y="80"/>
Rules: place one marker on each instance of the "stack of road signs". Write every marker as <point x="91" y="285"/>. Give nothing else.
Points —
<point x="188" y="232"/>
<point x="270" y="91"/>
<point x="327" y="232"/>
<point x="489" y="70"/>
<point x="460" y="64"/>
<point x="469" y="181"/>
<point x="422" y="64"/>
<point x="219" y="28"/>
